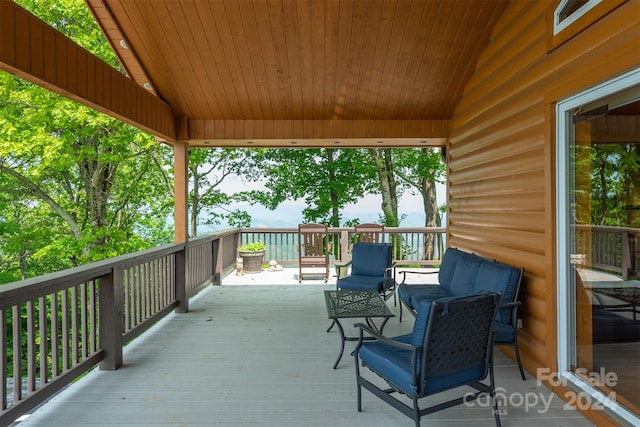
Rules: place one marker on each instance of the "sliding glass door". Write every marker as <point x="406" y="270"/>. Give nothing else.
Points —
<point x="598" y="206"/>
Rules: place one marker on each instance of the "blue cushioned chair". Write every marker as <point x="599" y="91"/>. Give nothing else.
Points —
<point x="463" y="273"/>
<point x="372" y="268"/>
<point x="451" y="346"/>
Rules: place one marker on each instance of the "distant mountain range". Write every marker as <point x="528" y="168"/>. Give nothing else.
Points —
<point x="288" y="216"/>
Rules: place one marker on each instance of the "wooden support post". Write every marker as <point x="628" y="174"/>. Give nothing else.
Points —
<point x="181" y="191"/>
<point x="216" y="261"/>
<point x="181" y="281"/>
<point x="111" y="319"/>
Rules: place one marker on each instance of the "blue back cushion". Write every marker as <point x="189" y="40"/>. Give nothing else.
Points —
<point x="464" y="276"/>
<point x="370" y="259"/>
<point x="497" y="277"/>
<point x="448" y="266"/>
<point x="420" y="324"/>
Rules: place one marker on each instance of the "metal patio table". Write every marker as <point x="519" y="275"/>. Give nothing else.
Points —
<point x="348" y="304"/>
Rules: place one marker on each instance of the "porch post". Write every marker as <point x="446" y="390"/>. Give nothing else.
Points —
<point x="181" y="191"/>
<point x="111" y="323"/>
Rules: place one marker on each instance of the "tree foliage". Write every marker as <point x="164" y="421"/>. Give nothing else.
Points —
<point x="327" y="179"/>
<point x="208" y="169"/>
<point x="77" y="186"/>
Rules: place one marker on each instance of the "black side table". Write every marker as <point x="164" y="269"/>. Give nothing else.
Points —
<point x="347" y="304"/>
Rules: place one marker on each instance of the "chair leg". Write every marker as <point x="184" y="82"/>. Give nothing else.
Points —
<point x="517" y="350"/>
<point x="416" y="411"/>
<point x="492" y="391"/>
<point x="358" y="386"/>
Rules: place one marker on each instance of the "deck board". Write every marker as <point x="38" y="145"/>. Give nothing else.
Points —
<point x="258" y="355"/>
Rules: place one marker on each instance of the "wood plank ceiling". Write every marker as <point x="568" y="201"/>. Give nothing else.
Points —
<point x="231" y="69"/>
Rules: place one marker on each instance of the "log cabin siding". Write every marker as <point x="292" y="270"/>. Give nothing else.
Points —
<point x="501" y="152"/>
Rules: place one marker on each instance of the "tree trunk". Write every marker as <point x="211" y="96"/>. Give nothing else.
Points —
<point x="384" y="167"/>
<point x="432" y="216"/>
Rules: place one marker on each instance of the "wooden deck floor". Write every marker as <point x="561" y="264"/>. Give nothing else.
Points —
<point x="260" y="356"/>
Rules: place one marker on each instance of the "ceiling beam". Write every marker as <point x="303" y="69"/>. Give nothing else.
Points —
<point x="32" y="50"/>
<point x="313" y="133"/>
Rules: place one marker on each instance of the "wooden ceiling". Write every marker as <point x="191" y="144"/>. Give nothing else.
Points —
<point x="297" y="60"/>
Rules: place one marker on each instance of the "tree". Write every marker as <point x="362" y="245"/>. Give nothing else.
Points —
<point x="208" y="168"/>
<point x="327" y="179"/>
<point x="68" y="171"/>
<point x="421" y="169"/>
<point x="383" y="162"/>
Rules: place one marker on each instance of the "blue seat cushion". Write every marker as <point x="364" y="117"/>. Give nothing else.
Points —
<point x="407" y="293"/>
<point x="505" y="333"/>
<point x="370" y="259"/>
<point x="496" y="277"/>
<point x="355" y="282"/>
<point x="393" y="363"/>
<point x="609" y="326"/>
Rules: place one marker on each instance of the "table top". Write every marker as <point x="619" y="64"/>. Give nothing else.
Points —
<point x="630" y="294"/>
<point x="355" y="303"/>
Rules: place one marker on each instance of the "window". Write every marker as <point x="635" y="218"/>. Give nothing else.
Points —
<point x="598" y="247"/>
<point x="567" y="18"/>
<point x="568" y="11"/>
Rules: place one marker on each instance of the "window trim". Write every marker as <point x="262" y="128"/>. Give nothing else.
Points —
<point x="561" y="25"/>
<point x="564" y="283"/>
<point x="589" y="14"/>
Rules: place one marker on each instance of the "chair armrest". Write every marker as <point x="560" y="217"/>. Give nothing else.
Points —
<point x="510" y="304"/>
<point x="404" y="273"/>
<point x="391" y="271"/>
<point x="344" y="264"/>
<point x="377" y="335"/>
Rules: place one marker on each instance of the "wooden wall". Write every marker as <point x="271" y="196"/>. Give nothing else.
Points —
<point x="501" y="157"/>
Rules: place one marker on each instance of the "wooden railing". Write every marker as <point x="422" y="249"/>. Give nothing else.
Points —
<point x="56" y="327"/>
<point x="614" y="249"/>
<point x="416" y="246"/>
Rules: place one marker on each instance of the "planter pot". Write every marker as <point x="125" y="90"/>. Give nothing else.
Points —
<point x="252" y="261"/>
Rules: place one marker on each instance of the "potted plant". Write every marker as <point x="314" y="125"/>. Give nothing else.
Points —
<point x="252" y="255"/>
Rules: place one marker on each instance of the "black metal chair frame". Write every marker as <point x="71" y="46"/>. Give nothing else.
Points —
<point x="514" y="316"/>
<point x="440" y="329"/>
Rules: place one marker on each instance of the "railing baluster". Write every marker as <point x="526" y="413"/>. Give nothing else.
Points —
<point x="74" y="326"/>
<point x="43" y="328"/>
<point x="66" y="362"/>
<point x="16" y="323"/>
<point x="83" y="321"/>
<point x="93" y="312"/>
<point x="55" y="336"/>
<point x="3" y="359"/>
<point x="31" y="346"/>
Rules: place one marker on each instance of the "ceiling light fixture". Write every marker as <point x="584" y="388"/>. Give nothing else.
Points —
<point x="124" y="44"/>
<point x="148" y="86"/>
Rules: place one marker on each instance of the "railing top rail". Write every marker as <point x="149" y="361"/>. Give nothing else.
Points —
<point x="34" y="287"/>
<point x="610" y="228"/>
<point x="388" y="230"/>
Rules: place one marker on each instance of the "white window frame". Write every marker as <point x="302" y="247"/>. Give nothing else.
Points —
<point x="565" y="284"/>
<point x="561" y="25"/>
